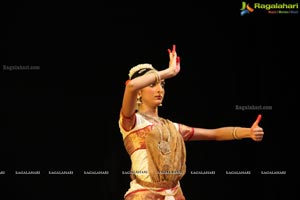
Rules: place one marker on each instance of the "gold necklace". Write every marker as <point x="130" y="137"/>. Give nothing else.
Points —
<point x="163" y="145"/>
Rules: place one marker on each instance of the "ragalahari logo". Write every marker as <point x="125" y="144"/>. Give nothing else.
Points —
<point x="246" y="9"/>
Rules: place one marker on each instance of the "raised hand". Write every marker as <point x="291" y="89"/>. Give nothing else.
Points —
<point x="174" y="62"/>
<point x="257" y="132"/>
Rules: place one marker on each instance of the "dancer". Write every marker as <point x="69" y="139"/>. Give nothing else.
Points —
<point x="156" y="145"/>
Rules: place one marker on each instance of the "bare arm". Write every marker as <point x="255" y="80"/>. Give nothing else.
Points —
<point x="134" y="85"/>
<point x="225" y="133"/>
<point x="228" y="133"/>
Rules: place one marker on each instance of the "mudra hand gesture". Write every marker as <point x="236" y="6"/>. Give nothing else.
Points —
<point x="256" y="131"/>
<point x="174" y="63"/>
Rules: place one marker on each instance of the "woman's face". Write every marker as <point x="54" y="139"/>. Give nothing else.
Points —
<point x="153" y="94"/>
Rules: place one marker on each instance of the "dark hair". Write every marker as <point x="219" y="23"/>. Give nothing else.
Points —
<point x="140" y="72"/>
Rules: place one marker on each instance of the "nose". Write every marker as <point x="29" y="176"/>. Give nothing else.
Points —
<point x="159" y="90"/>
<point x="159" y="87"/>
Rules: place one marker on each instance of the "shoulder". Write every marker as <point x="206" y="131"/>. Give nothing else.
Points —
<point x="171" y="122"/>
<point x="140" y="123"/>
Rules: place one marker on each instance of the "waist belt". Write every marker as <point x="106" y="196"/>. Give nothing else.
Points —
<point x="162" y="184"/>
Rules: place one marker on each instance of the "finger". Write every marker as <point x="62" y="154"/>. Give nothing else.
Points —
<point x="178" y="60"/>
<point x="173" y="49"/>
<point x="257" y="130"/>
<point x="255" y="124"/>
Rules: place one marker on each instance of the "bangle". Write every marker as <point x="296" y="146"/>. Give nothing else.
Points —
<point x="126" y="82"/>
<point x="234" y="133"/>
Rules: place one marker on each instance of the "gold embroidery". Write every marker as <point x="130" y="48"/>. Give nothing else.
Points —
<point x="136" y="140"/>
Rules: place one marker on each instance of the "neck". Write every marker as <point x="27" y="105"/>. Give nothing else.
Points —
<point x="152" y="117"/>
<point x="149" y="113"/>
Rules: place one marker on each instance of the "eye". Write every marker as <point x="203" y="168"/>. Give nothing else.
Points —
<point x="162" y="84"/>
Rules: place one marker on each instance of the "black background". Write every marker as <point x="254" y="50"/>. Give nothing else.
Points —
<point x="63" y="117"/>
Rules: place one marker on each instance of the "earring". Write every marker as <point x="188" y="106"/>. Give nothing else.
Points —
<point x="160" y="104"/>
<point x="139" y="100"/>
